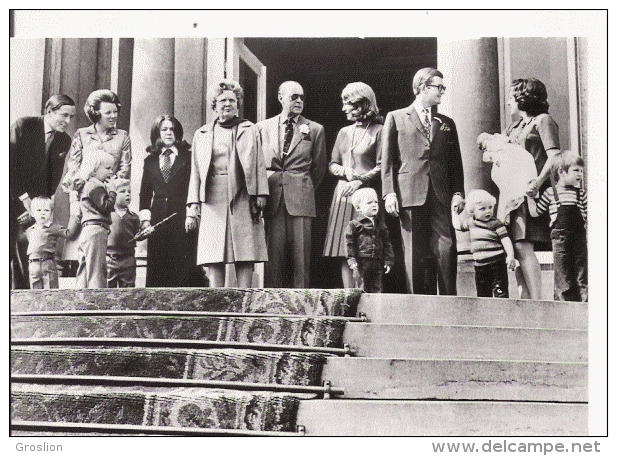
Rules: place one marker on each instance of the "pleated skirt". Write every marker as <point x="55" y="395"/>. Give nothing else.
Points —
<point x="341" y="213"/>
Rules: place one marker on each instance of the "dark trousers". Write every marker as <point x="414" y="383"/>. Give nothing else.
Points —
<point x="569" y="239"/>
<point x="18" y="259"/>
<point x="287" y="235"/>
<point x="121" y="270"/>
<point x="492" y="280"/>
<point x="371" y="270"/>
<point x="429" y="244"/>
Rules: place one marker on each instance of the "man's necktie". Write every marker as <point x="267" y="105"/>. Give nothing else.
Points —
<point x="166" y="166"/>
<point x="289" y="133"/>
<point x="49" y="140"/>
<point x="427" y="123"/>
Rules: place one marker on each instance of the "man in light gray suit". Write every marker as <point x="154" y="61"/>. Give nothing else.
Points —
<point x="422" y="178"/>
<point x="294" y="151"/>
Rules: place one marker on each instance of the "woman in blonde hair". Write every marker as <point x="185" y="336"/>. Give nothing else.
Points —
<point x="227" y="190"/>
<point x="356" y="162"/>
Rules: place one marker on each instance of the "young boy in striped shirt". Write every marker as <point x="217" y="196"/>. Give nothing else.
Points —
<point x="491" y="247"/>
<point x="566" y="203"/>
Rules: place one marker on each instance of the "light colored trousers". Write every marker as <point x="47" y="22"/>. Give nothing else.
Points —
<point x="92" y="254"/>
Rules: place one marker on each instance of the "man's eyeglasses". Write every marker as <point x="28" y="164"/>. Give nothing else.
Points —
<point x="295" y="96"/>
<point x="440" y="87"/>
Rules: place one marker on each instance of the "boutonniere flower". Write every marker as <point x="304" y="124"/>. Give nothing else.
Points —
<point x="304" y="129"/>
<point x="444" y="127"/>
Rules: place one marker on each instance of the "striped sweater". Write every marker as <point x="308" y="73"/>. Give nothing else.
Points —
<point x="486" y="246"/>
<point x="568" y="195"/>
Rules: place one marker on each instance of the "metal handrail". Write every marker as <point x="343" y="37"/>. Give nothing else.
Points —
<point x="20" y="425"/>
<point x="180" y="313"/>
<point x="176" y="343"/>
<point x="325" y="390"/>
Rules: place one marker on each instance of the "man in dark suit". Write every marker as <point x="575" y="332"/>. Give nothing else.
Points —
<point x="37" y="149"/>
<point x="294" y="151"/>
<point x="422" y="174"/>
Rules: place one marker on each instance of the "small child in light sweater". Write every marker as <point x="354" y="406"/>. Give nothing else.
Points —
<point x="97" y="203"/>
<point x="491" y="247"/>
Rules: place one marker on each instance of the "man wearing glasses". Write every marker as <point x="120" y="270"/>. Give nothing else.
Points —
<point x="422" y="177"/>
<point x="294" y="151"/>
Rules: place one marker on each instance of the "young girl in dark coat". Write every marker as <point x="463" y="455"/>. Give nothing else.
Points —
<point x="164" y="185"/>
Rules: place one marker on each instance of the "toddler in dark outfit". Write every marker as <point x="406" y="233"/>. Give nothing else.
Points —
<point x="369" y="250"/>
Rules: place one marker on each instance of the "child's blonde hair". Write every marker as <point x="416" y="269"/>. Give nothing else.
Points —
<point x="91" y="162"/>
<point x="563" y="160"/>
<point x="121" y="183"/>
<point x="361" y="195"/>
<point x="476" y="197"/>
<point x="41" y="201"/>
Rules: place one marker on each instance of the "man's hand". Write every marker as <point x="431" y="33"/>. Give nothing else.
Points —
<point x="25" y="218"/>
<point x="190" y="223"/>
<point x="391" y="204"/>
<point x="458" y="203"/>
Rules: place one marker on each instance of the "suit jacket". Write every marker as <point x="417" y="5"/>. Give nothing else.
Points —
<point x="34" y="170"/>
<point x="247" y="170"/>
<point x="294" y="177"/>
<point x="409" y="159"/>
<point x="163" y="199"/>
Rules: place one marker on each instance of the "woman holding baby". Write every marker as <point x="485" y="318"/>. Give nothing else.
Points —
<point x="537" y="132"/>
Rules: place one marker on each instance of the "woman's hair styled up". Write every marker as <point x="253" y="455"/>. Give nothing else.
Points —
<point x="221" y="86"/>
<point x="55" y="102"/>
<point x="155" y="132"/>
<point x="93" y="103"/>
<point x="530" y="96"/>
<point x="362" y="98"/>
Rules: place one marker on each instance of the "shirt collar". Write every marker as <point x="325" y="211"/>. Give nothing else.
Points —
<point x="91" y="130"/>
<point x="174" y="150"/>
<point x="121" y="212"/>
<point x="364" y="219"/>
<point x="48" y="128"/>
<point x="420" y="109"/>
<point x="283" y="120"/>
<point x="47" y="224"/>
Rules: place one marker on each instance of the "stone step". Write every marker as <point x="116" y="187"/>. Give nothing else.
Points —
<point x="453" y="310"/>
<point x="311" y="302"/>
<point x="141" y="406"/>
<point x="320" y="332"/>
<point x="466" y="342"/>
<point x="337" y="417"/>
<point x="404" y="378"/>
<point x="232" y="365"/>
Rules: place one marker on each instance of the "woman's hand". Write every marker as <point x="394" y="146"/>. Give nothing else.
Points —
<point x="190" y="223"/>
<point x="351" y="187"/>
<point x="532" y="188"/>
<point x="350" y="174"/>
<point x="391" y="204"/>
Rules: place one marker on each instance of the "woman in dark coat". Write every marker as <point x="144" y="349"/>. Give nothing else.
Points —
<point x="164" y="186"/>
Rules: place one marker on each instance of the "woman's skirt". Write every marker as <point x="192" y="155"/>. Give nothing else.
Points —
<point x="341" y="213"/>
<point x="228" y="234"/>
<point x="523" y="226"/>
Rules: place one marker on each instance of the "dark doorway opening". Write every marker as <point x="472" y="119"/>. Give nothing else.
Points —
<point x="324" y="66"/>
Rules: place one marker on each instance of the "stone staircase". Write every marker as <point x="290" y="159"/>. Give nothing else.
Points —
<point x="427" y="365"/>
<point x="294" y="362"/>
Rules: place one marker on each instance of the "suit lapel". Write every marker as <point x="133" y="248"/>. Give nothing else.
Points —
<point x="273" y="133"/>
<point x="179" y="163"/>
<point x="297" y="137"/>
<point x="435" y="125"/>
<point x="415" y="119"/>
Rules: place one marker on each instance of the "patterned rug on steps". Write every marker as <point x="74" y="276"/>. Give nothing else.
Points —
<point x="179" y="407"/>
<point x="311" y="302"/>
<point x="285" y="368"/>
<point x="282" y="331"/>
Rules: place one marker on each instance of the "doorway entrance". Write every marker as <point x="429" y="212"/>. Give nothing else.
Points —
<point x="324" y="66"/>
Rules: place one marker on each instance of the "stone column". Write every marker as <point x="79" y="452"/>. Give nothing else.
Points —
<point x="152" y="94"/>
<point x="471" y="73"/>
